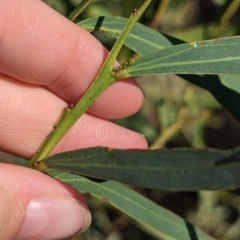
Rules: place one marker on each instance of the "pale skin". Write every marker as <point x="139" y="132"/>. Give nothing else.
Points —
<point x="46" y="63"/>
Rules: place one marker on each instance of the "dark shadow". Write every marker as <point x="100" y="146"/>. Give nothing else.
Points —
<point x="99" y="23"/>
<point x="228" y="98"/>
<point x="173" y="40"/>
<point x="233" y="158"/>
<point x="191" y="231"/>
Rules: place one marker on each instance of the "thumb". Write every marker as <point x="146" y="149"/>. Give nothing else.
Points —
<point x="35" y="206"/>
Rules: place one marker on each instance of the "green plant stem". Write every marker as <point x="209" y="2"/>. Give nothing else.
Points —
<point x="79" y="9"/>
<point x="104" y="79"/>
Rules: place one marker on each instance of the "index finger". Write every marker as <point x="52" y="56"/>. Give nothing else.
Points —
<point x="39" y="46"/>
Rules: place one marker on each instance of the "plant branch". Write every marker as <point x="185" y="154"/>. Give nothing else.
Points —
<point x="79" y="9"/>
<point x="176" y="127"/>
<point x="161" y="10"/>
<point x="225" y="18"/>
<point x="104" y="79"/>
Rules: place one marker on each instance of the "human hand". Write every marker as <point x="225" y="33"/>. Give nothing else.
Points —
<point x="46" y="62"/>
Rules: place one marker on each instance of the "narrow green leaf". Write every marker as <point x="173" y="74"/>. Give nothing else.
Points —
<point x="155" y="220"/>
<point x="206" y="57"/>
<point x="141" y="39"/>
<point x="144" y="41"/>
<point x="179" y="169"/>
<point x="231" y="81"/>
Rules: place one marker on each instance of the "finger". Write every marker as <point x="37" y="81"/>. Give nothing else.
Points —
<point x="36" y="206"/>
<point x="30" y="113"/>
<point x="50" y="50"/>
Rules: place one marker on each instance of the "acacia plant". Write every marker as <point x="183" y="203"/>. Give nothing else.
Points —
<point x="212" y="65"/>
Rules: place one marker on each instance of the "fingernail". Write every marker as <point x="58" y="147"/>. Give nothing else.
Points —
<point x="54" y="218"/>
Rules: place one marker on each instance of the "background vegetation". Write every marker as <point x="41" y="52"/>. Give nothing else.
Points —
<point x="175" y="113"/>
